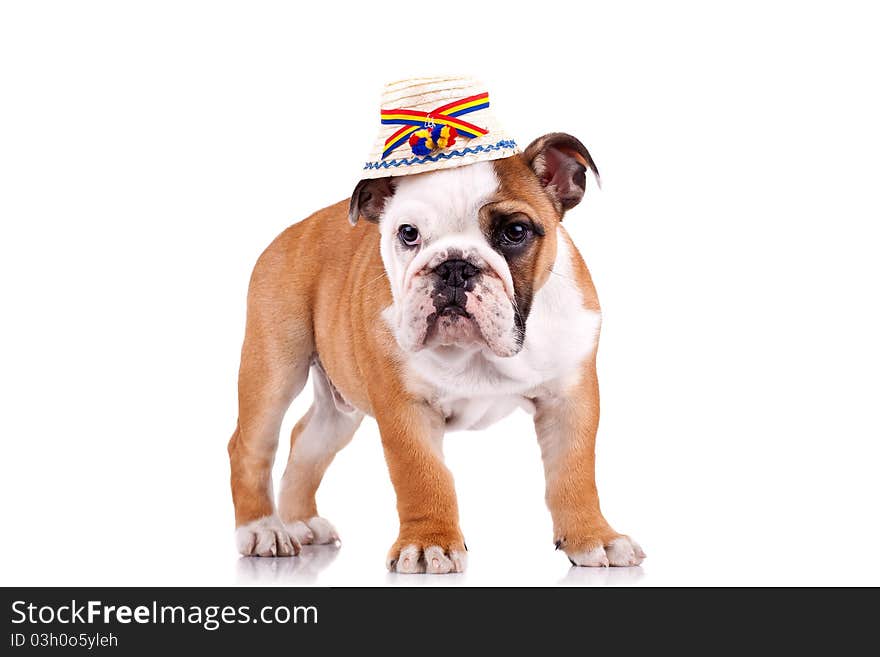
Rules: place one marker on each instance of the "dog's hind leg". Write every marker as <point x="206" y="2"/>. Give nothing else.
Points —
<point x="278" y="349"/>
<point x="327" y="427"/>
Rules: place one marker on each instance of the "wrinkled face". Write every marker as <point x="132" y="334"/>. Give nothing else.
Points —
<point x="465" y="250"/>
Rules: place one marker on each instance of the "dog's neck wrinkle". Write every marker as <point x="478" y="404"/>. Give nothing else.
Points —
<point x="466" y="364"/>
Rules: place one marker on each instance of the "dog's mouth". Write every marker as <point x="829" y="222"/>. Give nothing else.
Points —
<point x="452" y="310"/>
<point x="474" y="314"/>
<point x="451" y="324"/>
<point x="450" y="302"/>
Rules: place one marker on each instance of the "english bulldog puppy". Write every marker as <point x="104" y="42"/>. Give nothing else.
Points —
<point x="457" y="299"/>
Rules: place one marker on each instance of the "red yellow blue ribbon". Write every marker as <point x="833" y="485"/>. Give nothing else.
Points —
<point x="445" y="115"/>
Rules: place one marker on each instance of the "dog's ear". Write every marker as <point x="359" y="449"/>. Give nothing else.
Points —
<point x="560" y="162"/>
<point x="368" y="199"/>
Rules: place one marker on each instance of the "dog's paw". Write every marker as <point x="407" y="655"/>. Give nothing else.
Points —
<point x="434" y="557"/>
<point x="314" y="531"/>
<point x="266" y="537"/>
<point x="618" y="551"/>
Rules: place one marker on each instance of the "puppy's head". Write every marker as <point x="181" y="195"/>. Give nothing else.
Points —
<point x="466" y="248"/>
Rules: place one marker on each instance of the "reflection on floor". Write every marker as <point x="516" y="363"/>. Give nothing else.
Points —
<point x="303" y="569"/>
<point x="577" y="576"/>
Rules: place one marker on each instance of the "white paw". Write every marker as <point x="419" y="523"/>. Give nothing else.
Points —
<point x="433" y="560"/>
<point x="315" y="531"/>
<point x="266" y="537"/>
<point x="622" y="551"/>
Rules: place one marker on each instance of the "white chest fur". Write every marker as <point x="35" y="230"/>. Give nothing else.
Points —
<point x="475" y="389"/>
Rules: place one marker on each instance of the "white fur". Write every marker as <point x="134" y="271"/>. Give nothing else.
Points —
<point x="266" y="537"/>
<point x="595" y="558"/>
<point x="301" y="530"/>
<point x="329" y="427"/>
<point x="622" y="551"/>
<point x="314" y="531"/>
<point x="444" y="205"/>
<point x="440" y="204"/>
<point x="475" y="389"/>
<point x="433" y="560"/>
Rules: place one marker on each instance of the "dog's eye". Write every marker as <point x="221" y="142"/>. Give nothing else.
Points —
<point x="408" y="234"/>
<point x="514" y="233"/>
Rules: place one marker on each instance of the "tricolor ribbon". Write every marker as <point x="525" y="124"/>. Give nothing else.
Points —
<point x="412" y="120"/>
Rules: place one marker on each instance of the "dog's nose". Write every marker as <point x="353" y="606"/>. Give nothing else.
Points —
<point x="456" y="273"/>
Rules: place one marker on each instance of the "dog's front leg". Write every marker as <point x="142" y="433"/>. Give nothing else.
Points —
<point x="430" y="539"/>
<point x="566" y="425"/>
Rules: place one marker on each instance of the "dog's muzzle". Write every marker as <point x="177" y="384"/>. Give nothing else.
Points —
<point x="454" y="279"/>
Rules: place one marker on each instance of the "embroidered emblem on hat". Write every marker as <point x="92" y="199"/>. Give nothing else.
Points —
<point x="426" y="141"/>
<point x="436" y="123"/>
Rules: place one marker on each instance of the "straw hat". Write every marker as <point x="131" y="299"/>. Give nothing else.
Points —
<point x="435" y="123"/>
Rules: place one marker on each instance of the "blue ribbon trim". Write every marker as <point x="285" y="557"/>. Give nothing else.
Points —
<point x="504" y="143"/>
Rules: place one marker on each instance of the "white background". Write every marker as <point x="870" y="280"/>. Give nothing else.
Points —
<point x="150" y="151"/>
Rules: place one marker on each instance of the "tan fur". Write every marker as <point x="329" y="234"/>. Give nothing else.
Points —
<point x="582" y="276"/>
<point x="565" y="424"/>
<point x="296" y="501"/>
